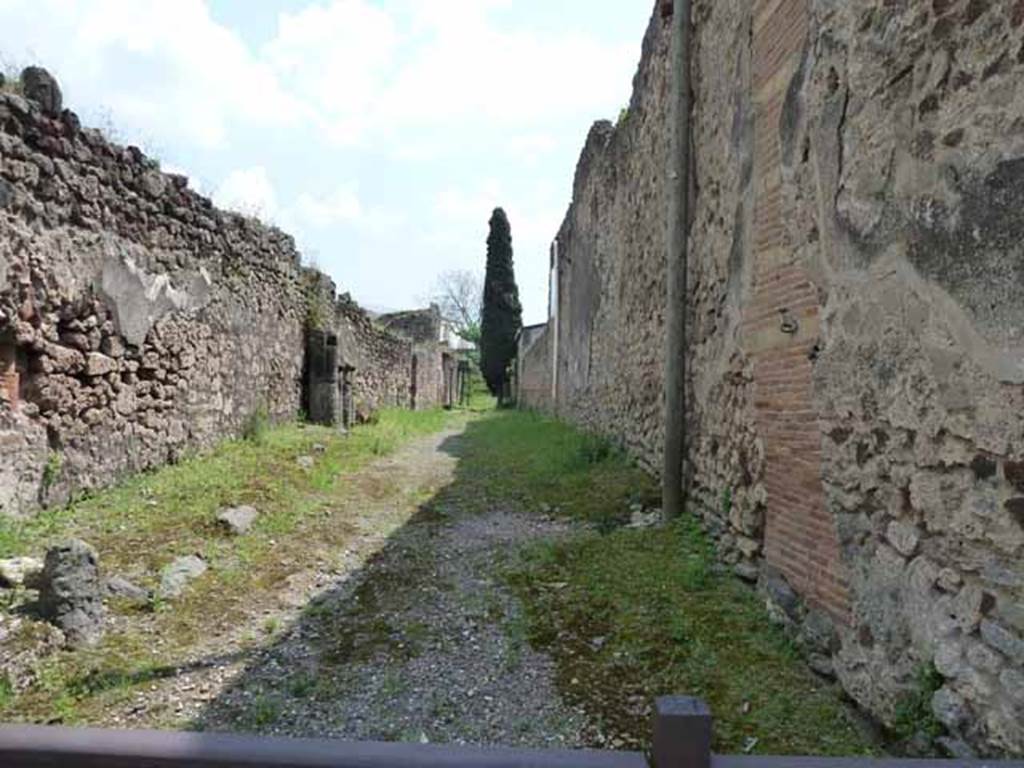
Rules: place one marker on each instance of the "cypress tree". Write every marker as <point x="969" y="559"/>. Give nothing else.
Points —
<point x="502" y="312"/>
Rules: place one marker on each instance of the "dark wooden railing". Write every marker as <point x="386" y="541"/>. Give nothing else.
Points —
<point x="682" y="739"/>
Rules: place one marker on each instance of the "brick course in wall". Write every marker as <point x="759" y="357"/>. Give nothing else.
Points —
<point x="780" y="329"/>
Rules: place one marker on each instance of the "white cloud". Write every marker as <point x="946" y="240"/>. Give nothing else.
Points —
<point x="165" y="70"/>
<point x="335" y="58"/>
<point x="340" y="206"/>
<point x="532" y="147"/>
<point x="248" y="191"/>
<point x="455" y="205"/>
<point x="170" y="71"/>
<point x="466" y="104"/>
<point x="466" y="66"/>
<point x="367" y="73"/>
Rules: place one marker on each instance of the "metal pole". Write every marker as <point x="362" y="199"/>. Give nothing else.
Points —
<point x="682" y="733"/>
<point x="678" y="226"/>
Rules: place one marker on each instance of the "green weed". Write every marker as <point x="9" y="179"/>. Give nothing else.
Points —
<point x="302" y="685"/>
<point x="914" y="710"/>
<point x="265" y="710"/>
<point x="51" y="471"/>
<point x="6" y="693"/>
<point x="256" y="426"/>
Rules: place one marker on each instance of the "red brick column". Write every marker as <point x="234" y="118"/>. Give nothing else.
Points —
<point x="781" y="325"/>
<point x="9" y="386"/>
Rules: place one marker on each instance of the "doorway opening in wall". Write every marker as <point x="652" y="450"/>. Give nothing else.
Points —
<point x="10" y="378"/>
<point x="412" y="388"/>
<point x="347" y="396"/>
<point x="321" y="391"/>
<point x="447" y="381"/>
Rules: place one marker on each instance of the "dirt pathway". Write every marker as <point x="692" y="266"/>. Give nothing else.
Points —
<point x="410" y="635"/>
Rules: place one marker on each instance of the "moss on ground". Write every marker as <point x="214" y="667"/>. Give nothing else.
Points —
<point x="143" y="524"/>
<point x="626" y="614"/>
<point x="629" y="615"/>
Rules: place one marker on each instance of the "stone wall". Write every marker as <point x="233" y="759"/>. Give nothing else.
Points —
<point x="423" y="327"/>
<point x="382" y="361"/>
<point x="420" y="325"/>
<point x="854" y="349"/>
<point x="139" y="323"/>
<point x="903" y="162"/>
<point x="428" y="378"/>
<point x="610" y="332"/>
<point x="533" y="368"/>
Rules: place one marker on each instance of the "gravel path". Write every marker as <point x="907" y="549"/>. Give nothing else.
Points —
<point x="419" y="641"/>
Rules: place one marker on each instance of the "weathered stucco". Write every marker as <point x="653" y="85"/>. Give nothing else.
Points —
<point x="855" y="344"/>
<point x="533" y="368"/>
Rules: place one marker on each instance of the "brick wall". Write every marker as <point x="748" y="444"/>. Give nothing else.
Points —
<point x="781" y="324"/>
<point x="9" y="378"/>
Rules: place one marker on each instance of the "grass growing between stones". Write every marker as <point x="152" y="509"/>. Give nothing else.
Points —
<point x="629" y="614"/>
<point x="143" y="524"/>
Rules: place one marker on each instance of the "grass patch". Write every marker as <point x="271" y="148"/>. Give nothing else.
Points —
<point x="628" y="614"/>
<point x="143" y="524"/>
<point x="526" y="459"/>
<point x="6" y="692"/>
<point x="51" y="471"/>
<point x="480" y="398"/>
<point x="265" y="710"/>
<point x="638" y="614"/>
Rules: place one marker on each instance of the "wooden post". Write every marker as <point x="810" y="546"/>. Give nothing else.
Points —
<point x="682" y="733"/>
<point x="678" y="226"/>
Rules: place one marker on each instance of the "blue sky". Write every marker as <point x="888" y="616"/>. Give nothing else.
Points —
<point x="380" y="133"/>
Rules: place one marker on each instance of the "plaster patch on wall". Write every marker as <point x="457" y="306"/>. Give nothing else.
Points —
<point x="139" y="299"/>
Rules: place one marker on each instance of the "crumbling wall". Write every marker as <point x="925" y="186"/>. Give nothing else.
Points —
<point x="147" y="322"/>
<point x="610" y="329"/>
<point x="420" y="325"/>
<point x="904" y="166"/>
<point x="423" y="328"/>
<point x="137" y="321"/>
<point x="429" y="377"/>
<point x="382" y="362"/>
<point x="611" y="278"/>
<point x="854" y="352"/>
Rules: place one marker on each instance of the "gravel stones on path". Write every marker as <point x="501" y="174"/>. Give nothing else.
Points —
<point x="407" y="632"/>
<point x="423" y="643"/>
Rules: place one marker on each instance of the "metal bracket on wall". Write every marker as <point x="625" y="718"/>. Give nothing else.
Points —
<point x="789" y="324"/>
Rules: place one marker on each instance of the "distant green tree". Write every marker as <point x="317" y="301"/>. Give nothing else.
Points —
<point x="502" y="315"/>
